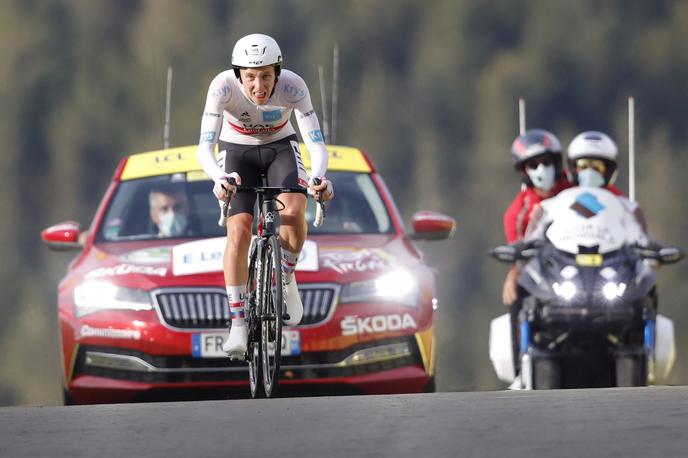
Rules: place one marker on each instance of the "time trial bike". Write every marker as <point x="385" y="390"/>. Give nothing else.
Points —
<point x="265" y="289"/>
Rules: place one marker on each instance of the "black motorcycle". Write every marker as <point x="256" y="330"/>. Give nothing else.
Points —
<point x="587" y="309"/>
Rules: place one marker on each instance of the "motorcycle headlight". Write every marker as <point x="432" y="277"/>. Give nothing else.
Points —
<point x="94" y="296"/>
<point x="611" y="290"/>
<point x="396" y="286"/>
<point x="565" y="290"/>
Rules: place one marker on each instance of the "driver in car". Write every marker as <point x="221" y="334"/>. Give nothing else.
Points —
<point x="169" y="210"/>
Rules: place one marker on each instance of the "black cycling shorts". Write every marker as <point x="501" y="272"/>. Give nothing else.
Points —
<point x="279" y="161"/>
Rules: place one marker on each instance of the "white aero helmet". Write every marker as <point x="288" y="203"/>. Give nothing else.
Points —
<point x="594" y="145"/>
<point x="256" y="50"/>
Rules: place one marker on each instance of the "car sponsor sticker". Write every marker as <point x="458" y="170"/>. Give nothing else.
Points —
<point x="202" y="256"/>
<point x="209" y="344"/>
<point x="352" y="260"/>
<point x="112" y="333"/>
<point x="353" y="324"/>
<point x="157" y="255"/>
<point x="127" y="269"/>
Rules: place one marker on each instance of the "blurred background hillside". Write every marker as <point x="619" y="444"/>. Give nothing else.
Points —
<point x="428" y="87"/>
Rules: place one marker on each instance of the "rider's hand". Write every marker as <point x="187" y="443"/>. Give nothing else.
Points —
<point x="510" y="288"/>
<point x="323" y="189"/>
<point x="222" y="186"/>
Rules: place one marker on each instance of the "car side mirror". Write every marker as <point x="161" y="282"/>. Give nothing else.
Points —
<point x="432" y="226"/>
<point x="64" y="236"/>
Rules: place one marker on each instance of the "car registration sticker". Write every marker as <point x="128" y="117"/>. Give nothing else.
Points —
<point x="209" y="344"/>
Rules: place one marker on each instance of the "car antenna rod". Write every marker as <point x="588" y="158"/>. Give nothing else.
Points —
<point x="326" y="121"/>
<point x="168" y="98"/>
<point x="631" y="148"/>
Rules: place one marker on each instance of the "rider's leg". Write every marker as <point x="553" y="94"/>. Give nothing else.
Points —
<point x="293" y="231"/>
<point x="236" y="275"/>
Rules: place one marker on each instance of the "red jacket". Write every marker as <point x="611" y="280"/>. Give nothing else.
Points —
<point x="517" y="216"/>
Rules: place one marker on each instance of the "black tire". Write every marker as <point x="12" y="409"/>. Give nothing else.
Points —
<point x="631" y="370"/>
<point x="67" y="398"/>
<point x="546" y="374"/>
<point x="255" y="369"/>
<point x="271" y="294"/>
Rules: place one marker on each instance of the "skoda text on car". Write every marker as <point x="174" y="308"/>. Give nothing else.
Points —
<point x="143" y="316"/>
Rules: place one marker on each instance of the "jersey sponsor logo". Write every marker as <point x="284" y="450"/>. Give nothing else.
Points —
<point x="223" y="92"/>
<point x="294" y="94"/>
<point x="271" y="116"/>
<point x="207" y="137"/>
<point x="306" y="114"/>
<point x="316" y="136"/>
<point x="214" y="115"/>
<point x="258" y="129"/>
<point x="353" y="325"/>
<point x="245" y="117"/>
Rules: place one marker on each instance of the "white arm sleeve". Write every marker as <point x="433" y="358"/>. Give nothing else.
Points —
<point x="211" y="124"/>
<point x="312" y="136"/>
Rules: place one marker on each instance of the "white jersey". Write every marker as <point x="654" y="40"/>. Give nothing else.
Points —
<point x="231" y="116"/>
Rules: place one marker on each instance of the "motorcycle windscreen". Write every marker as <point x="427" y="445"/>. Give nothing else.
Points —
<point x="590" y="217"/>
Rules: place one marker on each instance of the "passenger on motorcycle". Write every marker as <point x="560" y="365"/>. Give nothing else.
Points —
<point x="537" y="156"/>
<point x="247" y="111"/>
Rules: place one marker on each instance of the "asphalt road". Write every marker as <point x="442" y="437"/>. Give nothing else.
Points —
<point x="630" y="422"/>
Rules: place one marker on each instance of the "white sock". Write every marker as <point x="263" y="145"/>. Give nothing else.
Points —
<point x="236" y="296"/>
<point x="289" y="260"/>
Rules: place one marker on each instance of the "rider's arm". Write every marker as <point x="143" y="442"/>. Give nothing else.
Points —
<point x="513" y="219"/>
<point x="307" y="120"/>
<point x="218" y="96"/>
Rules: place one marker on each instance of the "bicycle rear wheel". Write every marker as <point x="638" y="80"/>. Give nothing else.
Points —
<point x="253" y="350"/>
<point x="271" y="306"/>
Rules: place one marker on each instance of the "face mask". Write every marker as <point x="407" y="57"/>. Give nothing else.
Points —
<point x="172" y="224"/>
<point x="542" y="177"/>
<point x="590" y="177"/>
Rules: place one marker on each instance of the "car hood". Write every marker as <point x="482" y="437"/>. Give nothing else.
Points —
<point x="339" y="259"/>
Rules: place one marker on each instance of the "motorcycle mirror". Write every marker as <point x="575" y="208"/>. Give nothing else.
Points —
<point x="670" y="255"/>
<point x="505" y="253"/>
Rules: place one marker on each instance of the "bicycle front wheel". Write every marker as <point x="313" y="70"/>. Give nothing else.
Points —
<point x="272" y="309"/>
<point x="255" y="369"/>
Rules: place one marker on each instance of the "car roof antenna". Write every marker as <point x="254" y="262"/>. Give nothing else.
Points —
<point x="168" y="98"/>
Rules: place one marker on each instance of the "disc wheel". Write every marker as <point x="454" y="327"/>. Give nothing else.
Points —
<point x="271" y="293"/>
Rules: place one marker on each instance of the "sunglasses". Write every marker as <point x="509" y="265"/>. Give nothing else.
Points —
<point x="596" y="164"/>
<point x="533" y="164"/>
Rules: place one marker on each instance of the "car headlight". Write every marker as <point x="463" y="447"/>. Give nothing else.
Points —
<point x="93" y="296"/>
<point x="565" y="290"/>
<point x="611" y="290"/>
<point x="396" y="286"/>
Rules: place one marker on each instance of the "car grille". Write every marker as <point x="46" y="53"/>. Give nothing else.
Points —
<point x="206" y="308"/>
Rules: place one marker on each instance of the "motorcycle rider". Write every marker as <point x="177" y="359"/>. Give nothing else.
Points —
<point x="247" y="111"/>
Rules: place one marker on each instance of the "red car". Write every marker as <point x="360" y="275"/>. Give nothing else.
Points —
<point x="143" y="316"/>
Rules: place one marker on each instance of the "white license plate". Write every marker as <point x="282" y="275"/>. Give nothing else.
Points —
<point x="209" y="344"/>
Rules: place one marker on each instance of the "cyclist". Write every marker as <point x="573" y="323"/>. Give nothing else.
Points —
<point x="248" y="110"/>
<point x="536" y="155"/>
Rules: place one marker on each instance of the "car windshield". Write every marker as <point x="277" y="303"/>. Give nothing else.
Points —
<point x="182" y="206"/>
